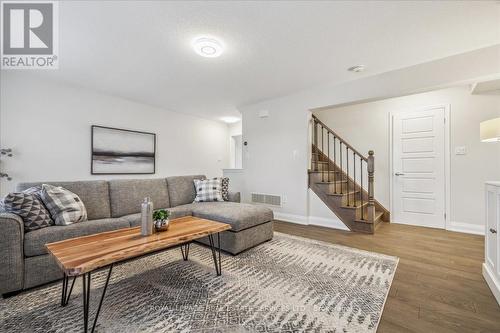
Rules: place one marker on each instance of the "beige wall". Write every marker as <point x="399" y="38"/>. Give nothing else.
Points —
<point x="366" y="126"/>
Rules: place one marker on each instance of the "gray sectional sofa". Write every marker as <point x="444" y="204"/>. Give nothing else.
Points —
<point x="115" y="204"/>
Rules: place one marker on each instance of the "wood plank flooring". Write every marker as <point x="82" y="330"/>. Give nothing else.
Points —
<point x="438" y="286"/>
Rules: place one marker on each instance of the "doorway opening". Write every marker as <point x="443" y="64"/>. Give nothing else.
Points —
<point x="235" y="151"/>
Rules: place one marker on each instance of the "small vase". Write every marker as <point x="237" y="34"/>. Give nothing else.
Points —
<point x="147" y="225"/>
<point x="162" y="225"/>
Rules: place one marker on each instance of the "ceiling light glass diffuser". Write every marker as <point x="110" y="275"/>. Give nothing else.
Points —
<point x="208" y="47"/>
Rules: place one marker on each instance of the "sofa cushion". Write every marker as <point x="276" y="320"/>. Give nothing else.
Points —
<point x="34" y="241"/>
<point x="181" y="189"/>
<point x="239" y="216"/>
<point x="128" y="194"/>
<point x="176" y="212"/>
<point x="94" y="195"/>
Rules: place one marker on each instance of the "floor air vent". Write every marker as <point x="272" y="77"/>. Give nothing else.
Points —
<point x="266" y="199"/>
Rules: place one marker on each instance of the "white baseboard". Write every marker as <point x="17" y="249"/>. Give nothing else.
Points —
<point x="329" y="223"/>
<point x="467" y="228"/>
<point x="492" y="282"/>
<point x="337" y="224"/>
<point x="421" y="223"/>
<point x="299" y="219"/>
<point x="311" y="220"/>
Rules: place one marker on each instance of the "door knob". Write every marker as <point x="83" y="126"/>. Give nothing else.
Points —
<point x="399" y="174"/>
<point x="493" y="231"/>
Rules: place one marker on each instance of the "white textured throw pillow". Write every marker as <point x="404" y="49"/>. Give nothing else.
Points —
<point x="64" y="206"/>
<point x="208" y="190"/>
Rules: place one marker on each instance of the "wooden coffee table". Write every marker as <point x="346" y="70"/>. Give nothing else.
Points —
<point x="82" y="255"/>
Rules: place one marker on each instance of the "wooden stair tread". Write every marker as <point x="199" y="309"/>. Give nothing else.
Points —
<point x="335" y="182"/>
<point x="323" y="162"/>
<point x="355" y="205"/>
<point x="345" y="193"/>
<point x="324" y="171"/>
<point x="377" y="219"/>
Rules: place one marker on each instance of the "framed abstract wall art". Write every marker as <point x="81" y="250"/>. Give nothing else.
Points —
<point x="120" y="151"/>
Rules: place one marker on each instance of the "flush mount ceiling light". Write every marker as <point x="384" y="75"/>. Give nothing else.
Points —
<point x="230" y="120"/>
<point x="356" y="69"/>
<point x="208" y="47"/>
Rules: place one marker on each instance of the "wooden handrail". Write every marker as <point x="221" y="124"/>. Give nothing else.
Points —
<point x="339" y="138"/>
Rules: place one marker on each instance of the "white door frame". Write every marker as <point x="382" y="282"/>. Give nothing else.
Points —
<point x="447" y="152"/>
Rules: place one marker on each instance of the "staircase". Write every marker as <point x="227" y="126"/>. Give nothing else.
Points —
<point x="343" y="179"/>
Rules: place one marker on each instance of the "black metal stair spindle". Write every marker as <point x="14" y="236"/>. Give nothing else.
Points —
<point x="334" y="165"/>
<point x="328" y="153"/>
<point x="322" y="153"/>
<point x="347" y="162"/>
<point x="316" y="144"/>
<point x="341" y="170"/>
<point x="354" y="178"/>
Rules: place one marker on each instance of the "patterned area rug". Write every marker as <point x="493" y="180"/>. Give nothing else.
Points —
<point x="290" y="284"/>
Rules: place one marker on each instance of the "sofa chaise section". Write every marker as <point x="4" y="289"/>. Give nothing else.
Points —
<point x="250" y="224"/>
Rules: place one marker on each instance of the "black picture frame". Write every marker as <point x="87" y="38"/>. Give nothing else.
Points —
<point x="92" y="151"/>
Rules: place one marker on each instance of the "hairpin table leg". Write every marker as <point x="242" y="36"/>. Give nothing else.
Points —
<point x="185" y="251"/>
<point x="217" y="261"/>
<point x="65" y="294"/>
<point x="86" y="299"/>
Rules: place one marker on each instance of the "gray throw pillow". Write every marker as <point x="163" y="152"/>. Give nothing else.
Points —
<point x="64" y="206"/>
<point x="208" y="190"/>
<point x="29" y="208"/>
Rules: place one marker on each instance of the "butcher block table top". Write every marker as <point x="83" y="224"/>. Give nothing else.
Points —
<point x="84" y="254"/>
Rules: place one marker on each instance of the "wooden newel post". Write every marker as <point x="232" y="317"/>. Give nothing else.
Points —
<point x="371" y="200"/>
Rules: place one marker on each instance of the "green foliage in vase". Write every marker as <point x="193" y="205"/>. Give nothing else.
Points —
<point x="161" y="214"/>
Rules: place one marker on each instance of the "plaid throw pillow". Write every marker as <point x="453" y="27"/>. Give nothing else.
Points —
<point x="29" y="208"/>
<point x="64" y="206"/>
<point x="225" y="188"/>
<point x="208" y="190"/>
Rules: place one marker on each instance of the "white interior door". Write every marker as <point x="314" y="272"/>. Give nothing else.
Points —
<point x="418" y="165"/>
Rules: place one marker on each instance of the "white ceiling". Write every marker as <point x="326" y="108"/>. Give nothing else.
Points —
<point x="141" y="50"/>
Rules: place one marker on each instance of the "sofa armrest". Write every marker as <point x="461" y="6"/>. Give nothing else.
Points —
<point x="12" y="253"/>
<point x="234" y="196"/>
